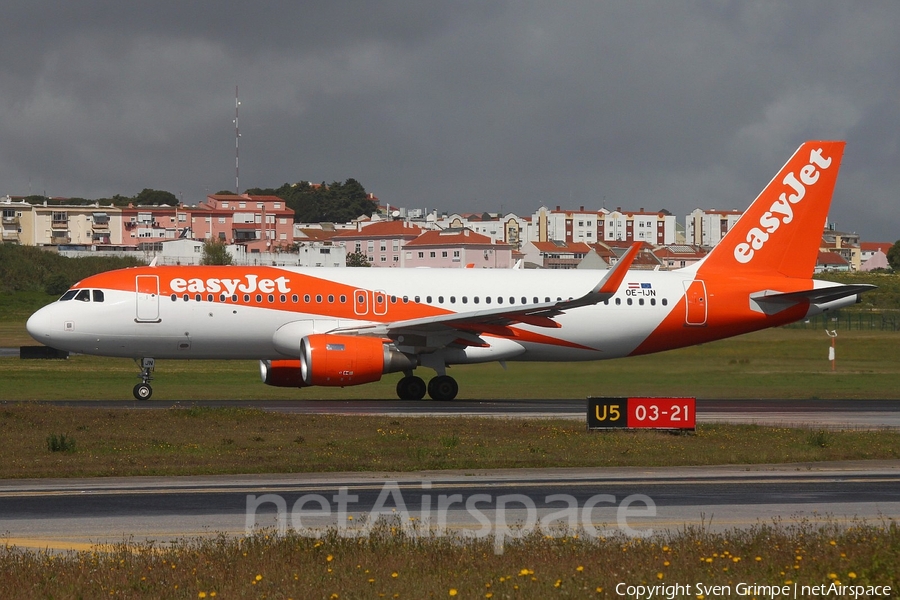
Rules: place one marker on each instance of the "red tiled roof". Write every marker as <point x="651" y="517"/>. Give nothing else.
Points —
<point x="575" y="247"/>
<point x="874" y="246"/>
<point x="386" y="229"/>
<point x="831" y="258"/>
<point x="451" y="238"/>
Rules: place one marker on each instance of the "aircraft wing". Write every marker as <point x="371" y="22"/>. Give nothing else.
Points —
<point x="497" y="320"/>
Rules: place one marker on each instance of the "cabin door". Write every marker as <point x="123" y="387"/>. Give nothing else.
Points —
<point x="695" y="300"/>
<point x="147" y="288"/>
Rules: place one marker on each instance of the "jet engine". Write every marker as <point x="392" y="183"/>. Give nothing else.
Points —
<point x="281" y="373"/>
<point x="341" y="360"/>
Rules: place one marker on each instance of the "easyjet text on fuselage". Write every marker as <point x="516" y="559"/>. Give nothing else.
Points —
<point x="248" y="284"/>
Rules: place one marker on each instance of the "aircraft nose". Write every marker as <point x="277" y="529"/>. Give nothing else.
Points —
<point x="38" y="325"/>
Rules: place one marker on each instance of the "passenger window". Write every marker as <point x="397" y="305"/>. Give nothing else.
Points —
<point x="393" y="299"/>
<point x="641" y="301"/>
<point x="98" y="295"/>
<point x="452" y="299"/>
<point x="547" y="299"/>
<point x="536" y="300"/>
<point x="487" y="299"/>
<point x="512" y="300"/>
<point x="221" y="297"/>
<point x="246" y="297"/>
<point x="475" y="299"/>
<point x="440" y="299"/>
<point x="618" y="301"/>
<point x="318" y="297"/>
<point x="416" y="299"/>
<point x="628" y="301"/>
<point x="524" y="300"/>
<point x="330" y="297"/>
<point x="174" y="297"/>
<point x="465" y="300"/>
<point x="210" y="297"/>
<point x="343" y="299"/>
<point x="405" y="299"/>
<point x="68" y="295"/>
<point x="295" y="298"/>
<point x="665" y="302"/>
<point x="652" y="301"/>
<point x="283" y="298"/>
<point x="198" y="298"/>
<point x="499" y="300"/>
<point x="234" y="298"/>
<point x="259" y="297"/>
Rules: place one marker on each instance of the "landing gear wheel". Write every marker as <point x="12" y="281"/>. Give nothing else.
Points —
<point x="411" y="388"/>
<point x="443" y="387"/>
<point x="143" y="391"/>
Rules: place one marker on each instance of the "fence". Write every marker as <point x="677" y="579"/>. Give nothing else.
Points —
<point x="860" y="320"/>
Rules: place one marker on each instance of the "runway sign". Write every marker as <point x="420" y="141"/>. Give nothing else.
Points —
<point x="641" y="413"/>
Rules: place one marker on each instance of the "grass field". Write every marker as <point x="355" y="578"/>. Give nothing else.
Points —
<point x="388" y="564"/>
<point x="193" y="441"/>
<point x="778" y="363"/>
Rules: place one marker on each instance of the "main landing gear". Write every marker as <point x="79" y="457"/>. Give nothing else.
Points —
<point x="442" y="387"/>
<point x="143" y="391"/>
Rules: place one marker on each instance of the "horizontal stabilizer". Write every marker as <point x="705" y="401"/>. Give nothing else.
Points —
<point x="771" y="302"/>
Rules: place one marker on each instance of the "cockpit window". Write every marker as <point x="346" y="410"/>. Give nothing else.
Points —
<point x="68" y="295"/>
<point x="84" y="296"/>
<point x="98" y="295"/>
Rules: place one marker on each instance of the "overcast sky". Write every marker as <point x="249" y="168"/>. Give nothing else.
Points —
<point x="460" y="106"/>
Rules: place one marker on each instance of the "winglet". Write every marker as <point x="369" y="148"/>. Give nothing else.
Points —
<point x="610" y="283"/>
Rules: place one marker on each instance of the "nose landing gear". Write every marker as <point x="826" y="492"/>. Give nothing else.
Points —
<point x="143" y="391"/>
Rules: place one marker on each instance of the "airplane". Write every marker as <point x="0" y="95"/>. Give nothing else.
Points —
<point x="350" y="326"/>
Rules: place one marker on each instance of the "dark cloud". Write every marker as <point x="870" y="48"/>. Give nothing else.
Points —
<point x="460" y="106"/>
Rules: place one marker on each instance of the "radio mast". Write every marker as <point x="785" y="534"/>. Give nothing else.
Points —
<point x="237" y="137"/>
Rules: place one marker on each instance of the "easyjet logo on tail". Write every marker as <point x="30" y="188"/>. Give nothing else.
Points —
<point x="781" y="211"/>
<point x="247" y="284"/>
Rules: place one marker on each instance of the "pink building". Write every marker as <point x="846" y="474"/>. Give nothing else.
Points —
<point x="380" y="242"/>
<point x="457" y="248"/>
<point x="260" y="223"/>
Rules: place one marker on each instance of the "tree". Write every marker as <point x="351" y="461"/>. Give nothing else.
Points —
<point x="215" y="253"/>
<point x="357" y="259"/>
<point x="155" y="197"/>
<point x="893" y="256"/>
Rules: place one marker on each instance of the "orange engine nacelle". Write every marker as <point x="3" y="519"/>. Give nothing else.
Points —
<point x="341" y="360"/>
<point x="281" y="373"/>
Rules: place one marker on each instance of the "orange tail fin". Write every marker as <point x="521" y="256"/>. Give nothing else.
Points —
<point x="781" y="232"/>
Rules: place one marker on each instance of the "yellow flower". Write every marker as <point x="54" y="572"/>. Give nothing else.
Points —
<point x="851" y="575"/>
<point x="832" y="576"/>
<point x="395" y="574"/>
<point x="758" y="558"/>
<point x="579" y="568"/>
<point x="201" y="595"/>
<point x="329" y="558"/>
<point x="453" y="591"/>
<point x="259" y="577"/>
<point x="659" y="575"/>
<point x="666" y="563"/>
<point x="558" y="583"/>
<point x="833" y="543"/>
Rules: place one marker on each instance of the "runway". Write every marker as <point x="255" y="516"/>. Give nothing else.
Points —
<point x="77" y="513"/>
<point x="827" y="414"/>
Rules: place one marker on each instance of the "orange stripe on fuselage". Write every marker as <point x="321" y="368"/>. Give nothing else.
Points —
<point x="729" y="314"/>
<point x="265" y="281"/>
